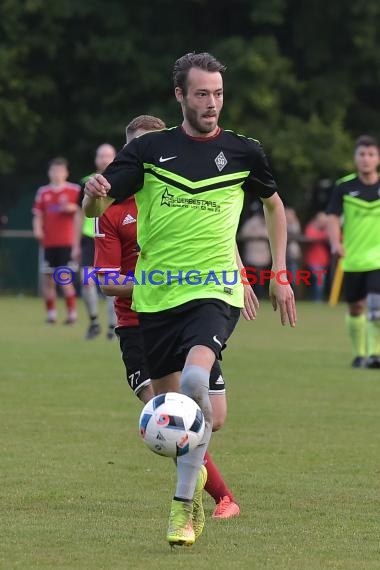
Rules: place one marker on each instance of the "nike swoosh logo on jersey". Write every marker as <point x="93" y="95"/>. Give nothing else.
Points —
<point x="162" y="159"/>
<point x="215" y="339"/>
<point x="354" y="193"/>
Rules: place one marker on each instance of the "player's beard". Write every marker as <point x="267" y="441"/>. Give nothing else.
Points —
<point x="194" y="120"/>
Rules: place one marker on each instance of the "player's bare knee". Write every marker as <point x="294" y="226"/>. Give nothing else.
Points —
<point x="201" y="356"/>
<point x="168" y="383"/>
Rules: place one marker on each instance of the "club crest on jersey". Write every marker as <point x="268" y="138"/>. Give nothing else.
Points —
<point x="220" y="161"/>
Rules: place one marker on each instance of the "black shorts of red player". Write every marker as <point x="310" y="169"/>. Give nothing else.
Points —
<point x="55" y="257"/>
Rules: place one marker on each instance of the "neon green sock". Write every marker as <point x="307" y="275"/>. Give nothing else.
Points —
<point x="373" y="338"/>
<point x="357" y="331"/>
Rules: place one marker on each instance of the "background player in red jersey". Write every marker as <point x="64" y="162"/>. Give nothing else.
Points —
<point x="53" y="226"/>
<point x="116" y="252"/>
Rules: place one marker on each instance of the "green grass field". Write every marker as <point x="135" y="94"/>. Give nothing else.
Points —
<point x="300" y="449"/>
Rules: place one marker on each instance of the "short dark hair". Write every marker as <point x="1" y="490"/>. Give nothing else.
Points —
<point x="204" y="61"/>
<point x="366" y="140"/>
<point x="60" y="161"/>
<point x="146" y="122"/>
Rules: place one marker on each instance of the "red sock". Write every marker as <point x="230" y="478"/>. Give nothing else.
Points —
<point x="50" y="304"/>
<point x="215" y="486"/>
<point x="71" y="304"/>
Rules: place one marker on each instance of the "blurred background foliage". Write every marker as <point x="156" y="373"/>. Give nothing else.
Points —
<point x="302" y="77"/>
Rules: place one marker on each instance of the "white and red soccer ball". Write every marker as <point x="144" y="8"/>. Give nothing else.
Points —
<point x="171" y="424"/>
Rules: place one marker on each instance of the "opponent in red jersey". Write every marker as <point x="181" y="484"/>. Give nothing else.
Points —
<point x="53" y="226"/>
<point x="116" y="252"/>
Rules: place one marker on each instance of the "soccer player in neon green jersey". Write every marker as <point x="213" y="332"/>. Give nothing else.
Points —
<point x="357" y="197"/>
<point x="84" y="252"/>
<point x="189" y="183"/>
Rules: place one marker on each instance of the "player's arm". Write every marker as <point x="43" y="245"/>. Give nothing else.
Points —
<point x="334" y="233"/>
<point x="121" y="179"/>
<point x="38" y="225"/>
<point x="94" y="206"/>
<point x="276" y="224"/>
<point x="38" y="217"/>
<point x="114" y="284"/>
<point x="280" y="293"/>
<point x="334" y="213"/>
<point x="261" y="181"/>
<point x="251" y="303"/>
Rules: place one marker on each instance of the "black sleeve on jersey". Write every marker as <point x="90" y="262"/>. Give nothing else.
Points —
<point x="335" y="205"/>
<point x="126" y="172"/>
<point x="260" y="180"/>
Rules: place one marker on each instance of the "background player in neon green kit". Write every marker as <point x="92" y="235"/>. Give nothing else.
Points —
<point x="189" y="183"/>
<point x="357" y="197"/>
<point x="84" y="249"/>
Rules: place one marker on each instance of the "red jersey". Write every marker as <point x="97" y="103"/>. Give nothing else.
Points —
<point x="116" y="249"/>
<point x="58" y="226"/>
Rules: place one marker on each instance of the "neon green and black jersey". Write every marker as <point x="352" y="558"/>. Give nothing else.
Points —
<point x="360" y="205"/>
<point x="189" y="194"/>
<point x="88" y="228"/>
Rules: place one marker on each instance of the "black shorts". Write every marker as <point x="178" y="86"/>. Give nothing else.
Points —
<point x="217" y="381"/>
<point x="132" y="354"/>
<point x="55" y="257"/>
<point x="169" y="335"/>
<point x="357" y="285"/>
<point x="88" y="251"/>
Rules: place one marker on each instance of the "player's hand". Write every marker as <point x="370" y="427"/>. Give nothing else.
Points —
<point x="97" y="186"/>
<point x="337" y="249"/>
<point x="282" y="297"/>
<point x="251" y="304"/>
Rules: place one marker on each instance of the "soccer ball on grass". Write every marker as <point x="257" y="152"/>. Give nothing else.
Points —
<point x="171" y="424"/>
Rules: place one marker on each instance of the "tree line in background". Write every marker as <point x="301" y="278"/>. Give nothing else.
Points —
<point x="302" y="77"/>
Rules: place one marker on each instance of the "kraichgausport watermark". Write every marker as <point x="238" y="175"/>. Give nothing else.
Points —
<point x="248" y="276"/>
